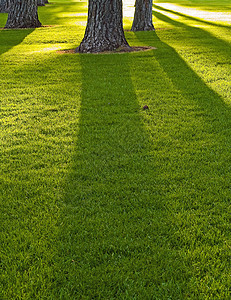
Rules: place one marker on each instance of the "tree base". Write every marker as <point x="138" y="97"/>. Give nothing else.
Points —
<point x="89" y="48"/>
<point x="147" y="28"/>
<point x="117" y="51"/>
<point x="22" y="26"/>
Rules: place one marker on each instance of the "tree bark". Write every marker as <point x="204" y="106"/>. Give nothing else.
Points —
<point x="41" y="2"/>
<point x="23" y="14"/>
<point x="143" y="16"/>
<point x="4" y="6"/>
<point x="104" y="31"/>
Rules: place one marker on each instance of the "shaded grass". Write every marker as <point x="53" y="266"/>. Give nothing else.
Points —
<point x="11" y="38"/>
<point x="100" y="199"/>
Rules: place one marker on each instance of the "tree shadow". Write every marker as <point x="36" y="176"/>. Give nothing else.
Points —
<point x="195" y="150"/>
<point x="185" y="79"/>
<point x="129" y="184"/>
<point x="192" y="18"/>
<point x="114" y="221"/>
<point x="204" y="38"/>
<point x="10" y="38"/>
<point x="210" y="132"/>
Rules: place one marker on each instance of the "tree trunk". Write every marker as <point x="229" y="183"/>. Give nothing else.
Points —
<point x="41" y="2"/>
<point x="23" y="14"/>
<point x="4" y="6"/>
<point x="104" y="31"/>
<point x="143" y="16"/>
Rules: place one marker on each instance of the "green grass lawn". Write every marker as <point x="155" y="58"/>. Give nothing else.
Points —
<point x="99" y="198"/>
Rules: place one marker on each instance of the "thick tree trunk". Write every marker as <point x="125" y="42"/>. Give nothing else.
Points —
<point x="143" y="16"/>
<point x="104" y="31"/>
<point x="4" y="6"/>
<point x="23" y="14"/>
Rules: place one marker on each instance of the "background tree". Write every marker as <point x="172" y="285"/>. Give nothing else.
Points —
<point x="41" y="2"/>
<point x="143" y="16"/>
<point x="4" y="6"/>
<point x="104" y="31"/>
<point x="23" y="14"/>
